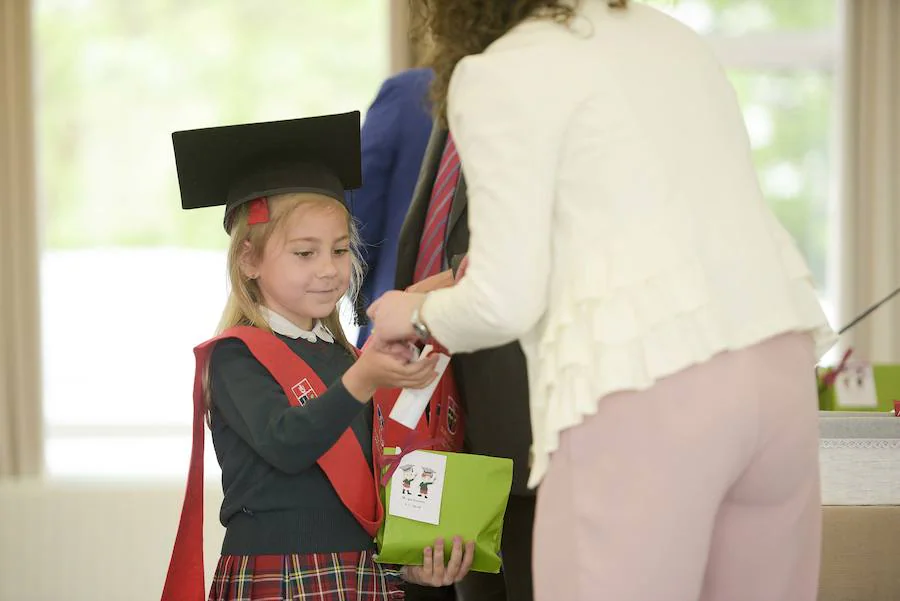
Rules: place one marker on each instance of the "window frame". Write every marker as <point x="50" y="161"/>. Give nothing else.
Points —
<point x="814" y="49"/>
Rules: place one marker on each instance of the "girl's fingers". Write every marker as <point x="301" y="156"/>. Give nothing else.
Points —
<point x="428" y="564"/>
<point x="467" y="560"/>
<point x="415" y="383"/>
<point x="420" y="369"/>
<point x="456" y="559"/>
<point x="437" y="564"/>
<point x="419" y="372"/>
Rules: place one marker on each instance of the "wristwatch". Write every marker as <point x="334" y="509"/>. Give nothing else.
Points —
<point x="419" y="327"/>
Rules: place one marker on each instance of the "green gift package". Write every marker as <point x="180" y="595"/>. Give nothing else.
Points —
<point x="886" y="384"/>
<point x="449" y="495"/>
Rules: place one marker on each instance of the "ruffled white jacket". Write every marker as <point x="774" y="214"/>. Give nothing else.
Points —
<point x="617" y="225"/>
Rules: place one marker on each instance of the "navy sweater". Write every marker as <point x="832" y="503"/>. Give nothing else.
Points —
<point x="277" y="499"/>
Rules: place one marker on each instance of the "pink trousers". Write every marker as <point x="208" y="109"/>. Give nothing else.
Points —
<point x="704" y="487"/>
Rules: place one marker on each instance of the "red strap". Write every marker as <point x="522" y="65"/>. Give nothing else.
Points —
<point x="185" y="578"/>
<point x="344" y="463"/>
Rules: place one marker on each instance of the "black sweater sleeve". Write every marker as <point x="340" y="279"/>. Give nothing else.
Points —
<point x="253" y="404"/>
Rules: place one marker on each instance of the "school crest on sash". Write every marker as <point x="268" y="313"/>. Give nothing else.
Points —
<point x="303" y="391"/>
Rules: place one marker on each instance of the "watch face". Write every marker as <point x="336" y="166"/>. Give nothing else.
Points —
<point x="419" y="327"/>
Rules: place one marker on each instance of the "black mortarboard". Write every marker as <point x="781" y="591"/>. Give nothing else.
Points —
<point x="235" y="164"/>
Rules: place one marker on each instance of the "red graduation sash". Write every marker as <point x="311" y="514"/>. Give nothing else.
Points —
<point x="344" y="463"/>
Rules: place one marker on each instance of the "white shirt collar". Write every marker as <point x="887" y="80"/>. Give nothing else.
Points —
<point x="282" y="325"/>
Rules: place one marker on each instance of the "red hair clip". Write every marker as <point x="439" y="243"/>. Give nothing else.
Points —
<point x="259" y="211"/>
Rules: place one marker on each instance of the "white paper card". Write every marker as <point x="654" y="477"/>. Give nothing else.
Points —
<point x="417" y="487"/>
<point x="855" y="386"/>
<point x="411" y="403"/>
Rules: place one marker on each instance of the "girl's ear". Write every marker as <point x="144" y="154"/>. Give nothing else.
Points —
<point x="246" y="263"/>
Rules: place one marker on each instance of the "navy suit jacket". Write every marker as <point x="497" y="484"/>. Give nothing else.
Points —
<point x="394" y="136"/>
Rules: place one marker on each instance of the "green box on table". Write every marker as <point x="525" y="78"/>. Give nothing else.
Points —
<point x="887" y="389"/>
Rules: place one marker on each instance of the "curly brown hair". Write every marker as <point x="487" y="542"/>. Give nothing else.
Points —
<point x="449" y="30"/>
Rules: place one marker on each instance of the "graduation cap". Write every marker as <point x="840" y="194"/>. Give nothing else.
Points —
<point x="236" y="164"/>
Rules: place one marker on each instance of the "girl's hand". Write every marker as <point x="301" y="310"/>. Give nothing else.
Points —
<point x="433" y="572"/>
<point x="383" y="365"/>
<point x="404" y="351"/>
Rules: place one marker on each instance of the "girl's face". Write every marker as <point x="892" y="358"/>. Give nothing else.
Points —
<point x="305" y="266"/>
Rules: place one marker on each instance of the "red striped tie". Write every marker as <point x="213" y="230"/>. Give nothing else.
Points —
<point x="429" y="261"/>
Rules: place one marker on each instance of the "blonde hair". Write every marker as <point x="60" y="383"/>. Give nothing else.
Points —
<point x="243" y="307"/>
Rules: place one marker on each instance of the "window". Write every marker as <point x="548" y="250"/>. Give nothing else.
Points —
<point x="130" y="281"/>
<point x="782" y="59"/>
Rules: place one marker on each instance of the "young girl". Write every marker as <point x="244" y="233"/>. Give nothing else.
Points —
<point x="296" y="457"/>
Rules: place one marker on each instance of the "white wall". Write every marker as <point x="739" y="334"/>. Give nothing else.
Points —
<point x="94" y="541"/>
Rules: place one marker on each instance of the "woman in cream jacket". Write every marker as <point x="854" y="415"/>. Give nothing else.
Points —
<point x="670" y="325"/>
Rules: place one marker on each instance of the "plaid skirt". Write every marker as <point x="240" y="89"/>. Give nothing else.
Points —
<point x="348" y="576"/>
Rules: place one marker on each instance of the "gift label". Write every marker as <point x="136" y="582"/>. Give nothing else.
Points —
<point x="410" y="405"/>
<point x="417" y="487"/>
<point x="854" y="387"/>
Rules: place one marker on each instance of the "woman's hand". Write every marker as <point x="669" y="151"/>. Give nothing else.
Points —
<point x="391" y="315"/>
<point x="463" y="266"/>
<point x="443" y="279"/>
<point x="433" y="572"/>
<point x="387" y="365"/>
